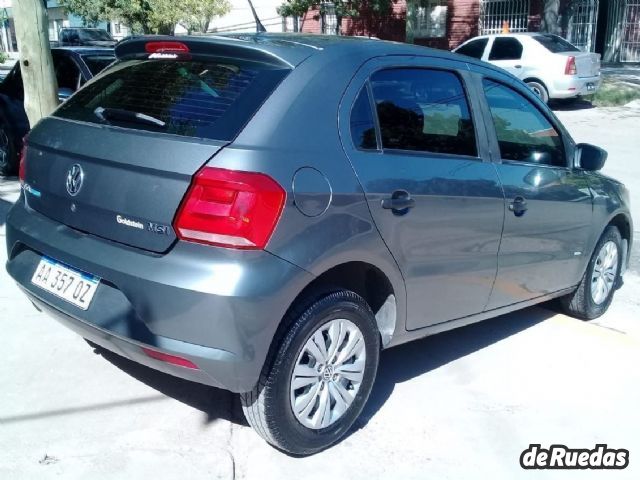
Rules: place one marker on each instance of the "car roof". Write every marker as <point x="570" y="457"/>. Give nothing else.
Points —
<point x="293" y="48"/>
<point x="85" y="50"/>
<point x="511" y="34"/>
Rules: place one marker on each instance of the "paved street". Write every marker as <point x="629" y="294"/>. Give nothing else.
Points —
<point x="463" y="404"/>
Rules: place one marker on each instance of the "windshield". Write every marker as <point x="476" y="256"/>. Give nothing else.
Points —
<point x="97" y="63"/>
<point x="211" y="98"/>
<point x="94" y="35"/>
<point x="555" y="44"/>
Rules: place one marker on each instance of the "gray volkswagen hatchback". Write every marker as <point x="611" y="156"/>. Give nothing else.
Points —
<point x="265" y="213"/>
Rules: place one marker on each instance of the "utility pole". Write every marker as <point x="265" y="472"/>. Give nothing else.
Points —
<point x="36" y="64"/>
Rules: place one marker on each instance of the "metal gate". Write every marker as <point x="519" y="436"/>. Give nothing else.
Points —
<point x="495" y="13"/>
<point x="623" y="31"/>
<point x="630" y="46"/>
<point x="583" y="22"/>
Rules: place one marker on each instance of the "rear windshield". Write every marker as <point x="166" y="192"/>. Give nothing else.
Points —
<point x="555" y="44"/>
<point x="94" y="35"/>
<point x="210" y="98"/>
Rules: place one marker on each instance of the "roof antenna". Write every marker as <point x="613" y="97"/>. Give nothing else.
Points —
<point x="259" y="27"/>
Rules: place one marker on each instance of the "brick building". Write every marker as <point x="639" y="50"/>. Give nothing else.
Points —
<point x="609" y="27"/>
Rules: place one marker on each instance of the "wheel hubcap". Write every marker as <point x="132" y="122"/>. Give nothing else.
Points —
<point x="327" y="374"/>
<point x="604" y="272"/>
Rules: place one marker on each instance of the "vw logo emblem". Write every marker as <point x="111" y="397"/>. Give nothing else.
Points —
<point x="75" y="177"/>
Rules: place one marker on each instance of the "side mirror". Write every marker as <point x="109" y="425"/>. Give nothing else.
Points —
<point x="589" y="157"/>
<point x="64" y="94"/>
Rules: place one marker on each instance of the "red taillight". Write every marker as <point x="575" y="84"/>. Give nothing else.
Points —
<point x="22" y="165"/>
<point x="570" y="67"/>
<point x="172" y="359"/>
<point x="230" y="209"/>
<point x="166" y="47"/>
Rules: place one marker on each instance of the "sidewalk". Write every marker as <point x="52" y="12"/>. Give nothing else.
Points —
<point x="625" y="74"/>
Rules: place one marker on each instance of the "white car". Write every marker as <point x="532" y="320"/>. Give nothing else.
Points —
<point x="551" y="66"/>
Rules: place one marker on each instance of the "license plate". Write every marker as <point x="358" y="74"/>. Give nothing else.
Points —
<point x="591" y="87"/>
<point x="70" y="285"/>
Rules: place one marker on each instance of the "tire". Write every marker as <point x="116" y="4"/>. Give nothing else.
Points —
<point x="590" y="301"/>
<point x="539" y="89"/>
<point x="269" y="408"/>
<point x="8" y="154"/>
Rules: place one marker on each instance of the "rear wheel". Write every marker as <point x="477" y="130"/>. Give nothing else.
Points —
<point x="8" y="158"/>
<point x="539" y="89"/>
<point x="595" y="292"/>
<point x="320" y="377"/>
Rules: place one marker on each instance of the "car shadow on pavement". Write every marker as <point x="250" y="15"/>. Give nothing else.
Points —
<point x="215" y="403"/>
<point x="570" y="105"/>
<point x="397" y="365"/>
<point x="402" y="363"/>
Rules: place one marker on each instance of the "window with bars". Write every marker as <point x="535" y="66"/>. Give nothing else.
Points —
<point x="329" y="19"/>
<point x="495" y="15"/>
<point x="431" y="19"/>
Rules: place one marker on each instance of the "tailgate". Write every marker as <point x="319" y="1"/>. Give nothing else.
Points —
<point x="116" y="159"/>
<point x="131" y="184"/>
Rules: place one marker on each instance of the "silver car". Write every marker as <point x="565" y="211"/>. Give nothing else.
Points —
<point x="552" y="67"/>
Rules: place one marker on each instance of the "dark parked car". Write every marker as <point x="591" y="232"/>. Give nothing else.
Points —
<point x="265" y="213"/>
<point x="73" y="68"/>
<point x="86" y="37"/>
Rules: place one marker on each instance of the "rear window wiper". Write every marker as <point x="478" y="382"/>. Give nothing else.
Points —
<point x="105" y="114"/>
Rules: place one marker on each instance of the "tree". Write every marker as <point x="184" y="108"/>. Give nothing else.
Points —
<point x="36" y="64"/>
<point x="150" y="16"/>
<point x="343" y="8"/>
<point x="550" y="17"/>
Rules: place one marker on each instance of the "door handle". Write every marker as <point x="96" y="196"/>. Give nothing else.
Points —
<point x="517" y="66"/>
<point x="518" y="206"/>
<point x="399" y="203"/>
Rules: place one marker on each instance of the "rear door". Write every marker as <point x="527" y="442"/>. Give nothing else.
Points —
<point x="431" y="189"/>
<point x="548" y="204"/>
<point x="507" y="53"/>
<point x="116" y="159"/>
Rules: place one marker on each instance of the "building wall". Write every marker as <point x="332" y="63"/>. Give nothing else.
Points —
<point x="462" y="24"/>
<point x="391" y="27"/>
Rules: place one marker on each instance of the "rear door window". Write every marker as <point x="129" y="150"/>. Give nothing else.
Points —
<point x="363" y="130"/>
<point x="474" y="49"/>
<point x="97" y="63"/>
<point x="210" y="98"/>
<point x="506" y="48"/>
<point x="423" y="110"/>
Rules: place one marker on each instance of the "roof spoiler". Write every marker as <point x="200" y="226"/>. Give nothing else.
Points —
<point x="164" y="46"/>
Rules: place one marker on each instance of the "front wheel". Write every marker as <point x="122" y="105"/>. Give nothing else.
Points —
<point x="320" y="378"/>
<point x="595" y="292"/>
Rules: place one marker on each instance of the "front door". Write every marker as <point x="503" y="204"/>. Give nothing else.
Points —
<point x="433" y="193"/>
<point x="548" y="203"/>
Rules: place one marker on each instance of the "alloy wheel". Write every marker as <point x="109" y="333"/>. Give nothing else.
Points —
<point x="605" y="271"/>
<point x="327" y="374"/>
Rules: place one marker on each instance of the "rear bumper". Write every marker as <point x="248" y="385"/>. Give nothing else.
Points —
<point x="217" y="308"/>
<point x="569" y="86"/>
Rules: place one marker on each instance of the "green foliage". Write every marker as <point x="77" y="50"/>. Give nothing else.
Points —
<point x="612" y="94"/>
<point x="343" y="8"/>
<point x="150" y="16"/>
<point x="3" y="57"/>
